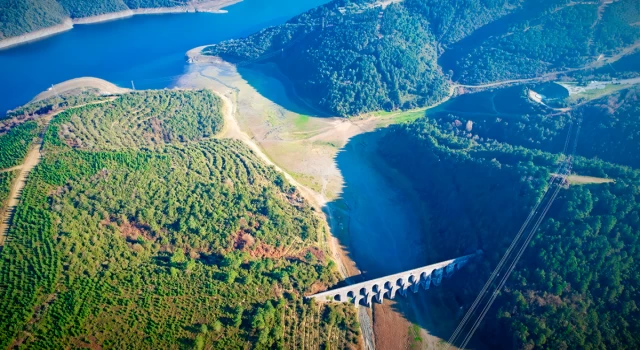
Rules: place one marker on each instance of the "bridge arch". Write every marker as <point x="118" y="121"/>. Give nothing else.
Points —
<point x="376" y="290"/>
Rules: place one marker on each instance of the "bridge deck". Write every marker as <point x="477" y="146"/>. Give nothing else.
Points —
<point x="378" y="288"/>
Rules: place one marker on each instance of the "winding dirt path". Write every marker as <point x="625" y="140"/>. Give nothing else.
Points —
<point x="547" y="76"/>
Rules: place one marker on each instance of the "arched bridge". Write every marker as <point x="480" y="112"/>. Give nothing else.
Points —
<point x="388" y="286"/>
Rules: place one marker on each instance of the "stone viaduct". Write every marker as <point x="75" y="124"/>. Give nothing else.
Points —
<point x="388" y="286"/>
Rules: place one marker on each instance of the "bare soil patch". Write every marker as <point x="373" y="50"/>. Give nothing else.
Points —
<point x="391" y="329"/>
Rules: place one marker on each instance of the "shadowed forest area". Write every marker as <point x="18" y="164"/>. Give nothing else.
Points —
<point x="575" y="286"/>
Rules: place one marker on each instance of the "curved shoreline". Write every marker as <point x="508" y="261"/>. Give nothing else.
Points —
<point x="213" y="6"/>
<point x="36" y="35"/>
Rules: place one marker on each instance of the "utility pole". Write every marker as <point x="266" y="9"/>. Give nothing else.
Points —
<point x="133" y="87"/>
<point x="58" y="99"/>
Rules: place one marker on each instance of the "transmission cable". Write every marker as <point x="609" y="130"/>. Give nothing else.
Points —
<point x="513" y="243"/>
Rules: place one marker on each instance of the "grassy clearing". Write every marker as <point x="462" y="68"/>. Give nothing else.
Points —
<point x="594" y="94"/>
<point x="301" y="121"/>
<point x="308" y="181"/>
<point x="415" y="339"/>
<point x="386" y="118"/>
<point x="585" y="180"/>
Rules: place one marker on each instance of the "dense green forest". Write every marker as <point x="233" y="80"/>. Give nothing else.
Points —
<point x="15" y="143"/>
<point x="19" y="17"/>
<point x="451" y="22"/>
<point x="86" y="8"/>
<point x="143" y="120"/>
<point x="613" y="120"/>
<point x="189" y="245"/>
<point x="352" y="56"/>
<point x="577" y="284"/>
<point x="561" y="36"/>
<point x="615" y="123"/>
<point x="23" y="16"/>
<point x="6" y="179"/>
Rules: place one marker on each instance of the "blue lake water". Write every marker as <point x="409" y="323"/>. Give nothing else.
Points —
<point x="148" y="49"/>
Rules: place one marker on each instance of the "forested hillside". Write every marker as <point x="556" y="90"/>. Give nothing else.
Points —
<point x="577" y="284"/>
<point x="183" y="244"/>
<point x="560" y="36"/>
<point x="350" y="57"/>
<point x="355" y="56"/>
<point x="15" y="143"/>
<point x="86" y="8"/>
<point x="614" y="121"/>
<point x="19" y="17"/>
<point x="23" y="16"/>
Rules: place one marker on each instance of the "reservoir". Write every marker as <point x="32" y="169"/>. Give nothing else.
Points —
<point x="147" y="49"/>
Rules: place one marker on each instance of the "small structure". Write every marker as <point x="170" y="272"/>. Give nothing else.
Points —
<point x="535" y="96"/>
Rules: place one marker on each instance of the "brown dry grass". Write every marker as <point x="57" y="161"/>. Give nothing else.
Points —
<point x="390" y="327"/>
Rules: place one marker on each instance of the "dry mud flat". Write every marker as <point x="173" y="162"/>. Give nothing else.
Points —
<point x="335" y="159"/>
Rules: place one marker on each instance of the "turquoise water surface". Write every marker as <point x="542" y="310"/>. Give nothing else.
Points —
<point x="149" y="49"/>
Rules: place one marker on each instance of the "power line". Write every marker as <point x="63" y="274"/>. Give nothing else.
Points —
<point x="563" y="170"/>
<point x="508" y="273"/>
<point x="513" y="244"/>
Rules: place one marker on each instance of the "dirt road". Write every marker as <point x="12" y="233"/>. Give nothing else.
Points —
<point x="547" y="76"/>
<point x="31" y="160"/>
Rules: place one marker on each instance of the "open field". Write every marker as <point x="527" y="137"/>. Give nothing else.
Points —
<point x="585" y="180"/>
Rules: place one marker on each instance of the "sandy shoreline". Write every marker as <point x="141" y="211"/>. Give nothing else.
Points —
<point x="213" y="6"/>
<point x="105" y="87"/>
